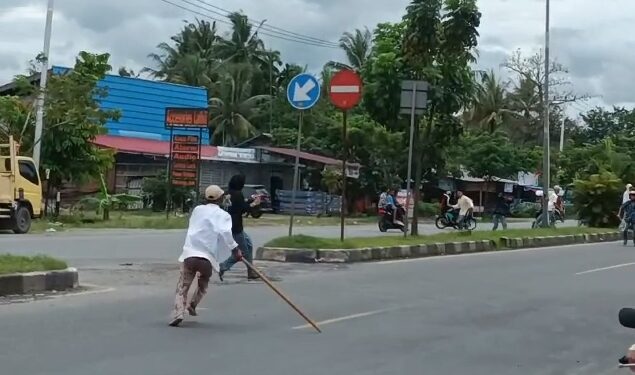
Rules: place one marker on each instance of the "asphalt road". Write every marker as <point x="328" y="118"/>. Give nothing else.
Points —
<point x="525" y="312"/>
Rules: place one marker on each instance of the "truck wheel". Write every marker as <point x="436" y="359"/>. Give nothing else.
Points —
<point x="22" y="220"/>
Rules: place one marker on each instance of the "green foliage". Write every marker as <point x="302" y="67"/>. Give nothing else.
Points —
<point x="19" y="264"/>
<point x="596" y="199"/>
<point x="427" y="209"/>
<point x="155" y="190"/>
<point x="17" y="119"/>
<point x="383" y="74"/>
<point x="487" y="155"/>
<point x="72" y="120"/>
<point x="105" y="202"/>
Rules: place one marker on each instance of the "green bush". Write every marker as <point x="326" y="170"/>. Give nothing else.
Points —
<point x="525" y="210"/>
<point x="596" y="200"/>
<point x="426" y="209"/>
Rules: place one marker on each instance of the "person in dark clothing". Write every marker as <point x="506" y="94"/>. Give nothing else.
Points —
<point x="501" y="211"/>
<point x="237" y="207"/>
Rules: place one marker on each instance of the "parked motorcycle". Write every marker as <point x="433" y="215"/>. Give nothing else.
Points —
<point x="448" y="220"/>
<point x="386" y="222"/>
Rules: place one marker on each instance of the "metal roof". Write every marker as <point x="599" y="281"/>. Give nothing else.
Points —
<point x="142" y="146"/>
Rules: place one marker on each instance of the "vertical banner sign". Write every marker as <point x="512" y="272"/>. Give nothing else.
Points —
<point x="303" y="93"/>
<point x="185" y="160"/>
<point x="345" y="92"/>
<point x="185" y="150"/>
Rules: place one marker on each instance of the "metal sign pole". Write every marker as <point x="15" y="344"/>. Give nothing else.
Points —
<point x="169" y="177"/>
<point x="345" y="155"/>
<point x="199" y="163"/>
<point x="411" y="144"/>
<point x="296" y="174"/>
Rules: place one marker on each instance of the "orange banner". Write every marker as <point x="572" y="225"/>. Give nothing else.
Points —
<point x="186" y="118"/>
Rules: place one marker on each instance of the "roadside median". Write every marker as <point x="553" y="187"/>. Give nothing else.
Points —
<point x="307" y="249"/>
<point x="23" y="274"/>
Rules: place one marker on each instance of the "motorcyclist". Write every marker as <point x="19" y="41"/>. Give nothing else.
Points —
<point x="627" y="214"/>
<point x="465" y="205"/>
<point x="446" y="207"/>
<point x="391" y="205"/>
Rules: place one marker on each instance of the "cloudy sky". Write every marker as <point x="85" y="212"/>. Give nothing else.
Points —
<point x="594" y="38"/>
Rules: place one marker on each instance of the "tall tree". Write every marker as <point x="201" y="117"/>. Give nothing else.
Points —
<point x="233" y="109"/>
<point x="439" y="46"/>
<point x="528" y="97"/>
<point x="72" y="120"/>
<point x="490" y="109"/>
<point x="383" y="74"/>
<point x="357" y="46"/>
<point x="197" y="41"/>
<point x="244" y="45"/>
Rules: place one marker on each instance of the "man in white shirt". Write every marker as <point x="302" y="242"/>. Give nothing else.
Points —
<point x="465" y="206"/>
<point x="626" y="195"/>
<point x="208" y="240"/>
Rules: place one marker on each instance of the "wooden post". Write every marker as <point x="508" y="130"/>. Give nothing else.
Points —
<point x="282" y="295"/>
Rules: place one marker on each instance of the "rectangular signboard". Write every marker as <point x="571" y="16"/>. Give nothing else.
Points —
<point x="184" y="118"/>
<point x="185" y="152"/>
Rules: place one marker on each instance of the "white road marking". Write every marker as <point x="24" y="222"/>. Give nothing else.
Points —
<point x="347" y="317"/>
<point x="490" y="253"/>
<point x="345" y="89"/>
<point x="606" y="268"/>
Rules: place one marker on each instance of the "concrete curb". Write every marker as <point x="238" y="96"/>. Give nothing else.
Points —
<point x="420" y="251"/>
<point x="33" y="282"/>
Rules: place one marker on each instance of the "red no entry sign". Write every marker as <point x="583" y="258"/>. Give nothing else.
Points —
<point x="345" y="89"/>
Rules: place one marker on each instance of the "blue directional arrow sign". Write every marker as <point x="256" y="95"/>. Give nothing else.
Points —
<point x="303" y="91"/>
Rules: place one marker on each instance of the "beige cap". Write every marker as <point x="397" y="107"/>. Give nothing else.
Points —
<point x="213" y="192"/>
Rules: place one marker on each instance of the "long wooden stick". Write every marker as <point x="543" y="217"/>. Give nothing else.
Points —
<point x="282" y="295"/>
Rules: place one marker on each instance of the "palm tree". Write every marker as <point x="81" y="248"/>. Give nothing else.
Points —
<point x="491" y="107"/>
<point x="357" y="46"/>
<point x="244" y="45"/>
<point x="233" y="108"/>
<point x="195" y="39"/>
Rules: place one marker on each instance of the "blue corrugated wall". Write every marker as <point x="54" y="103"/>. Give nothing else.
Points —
<point x="142" y="104"/>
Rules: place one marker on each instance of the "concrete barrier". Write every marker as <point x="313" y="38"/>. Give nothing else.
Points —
<point x="426" y="250"/>
<point x="33" y="282"/>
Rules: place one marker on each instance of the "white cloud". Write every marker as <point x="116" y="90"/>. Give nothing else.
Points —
<point x="593" y="38"/>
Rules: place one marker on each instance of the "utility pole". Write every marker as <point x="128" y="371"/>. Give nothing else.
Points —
<point x="39" y="117"/>
<point x="546" y="158"/>
<point x="562" y="135"/>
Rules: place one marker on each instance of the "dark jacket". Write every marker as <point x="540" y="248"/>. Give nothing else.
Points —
<point x="502" y="207"/>
<point x="628" y="210"/>
<point x="238" y="205"/>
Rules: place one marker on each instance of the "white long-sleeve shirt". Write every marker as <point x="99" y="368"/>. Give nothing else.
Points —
<point x="553" y="198"/>
<point x="464" y="204"/>
<point x="626" y="196"/>
<point x="209" y="235"/>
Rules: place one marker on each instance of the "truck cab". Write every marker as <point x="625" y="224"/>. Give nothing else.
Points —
<point x="20" y="189"/>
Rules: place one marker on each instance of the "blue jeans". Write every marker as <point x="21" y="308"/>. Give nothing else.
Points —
<point x="245" y="245"/>
<point x="498" y="218"/>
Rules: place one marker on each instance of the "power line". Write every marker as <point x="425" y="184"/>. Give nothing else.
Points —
<point x="269" y="28"/>
<point x="282" y="37"/>
<point x="272" y="27"/>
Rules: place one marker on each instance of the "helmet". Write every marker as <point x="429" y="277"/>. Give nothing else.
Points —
<point x="632" y="192"/>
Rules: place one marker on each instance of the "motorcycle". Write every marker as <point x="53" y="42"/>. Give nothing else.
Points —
<point x="627" y="319"/>
<point x="386" y="222"/>
<point x="255" y="211"/>
<point x="448" y="220"/>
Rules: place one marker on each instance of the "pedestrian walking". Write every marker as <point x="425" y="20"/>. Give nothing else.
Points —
<point x="237" y="208"/>
<point x="501" y="211"/>
<point x="209" y="238"/>
<point x="625" y="196"/>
